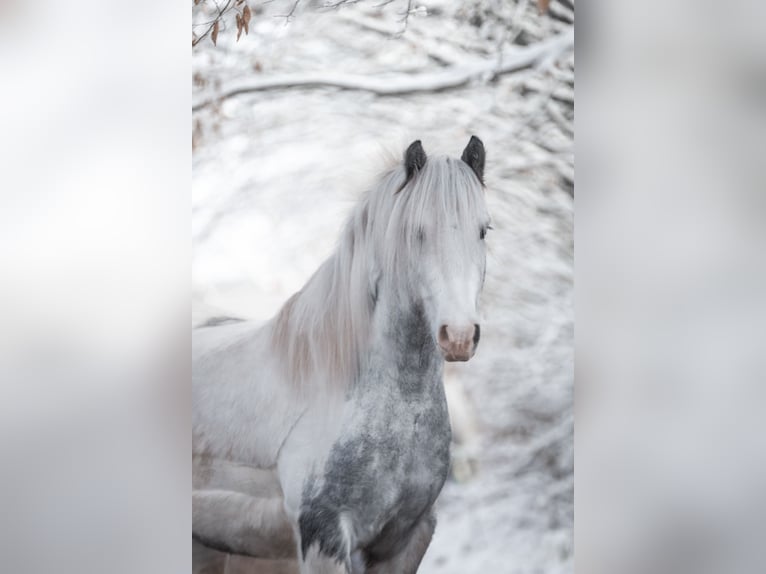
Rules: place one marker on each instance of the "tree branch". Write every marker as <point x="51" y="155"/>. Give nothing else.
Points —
<point x="436" y="50"/>
<point x="445" y="79"/>
<point x="221" y="12"/>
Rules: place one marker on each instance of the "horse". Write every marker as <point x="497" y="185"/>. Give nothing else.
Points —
<point x="323" y="435"/>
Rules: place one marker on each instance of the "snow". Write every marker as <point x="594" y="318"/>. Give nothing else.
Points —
<point x="275" y="172"/>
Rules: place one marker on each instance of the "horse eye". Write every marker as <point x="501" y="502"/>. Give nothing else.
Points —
<point x="483" y="232"/>
<point x="421" y="235"/>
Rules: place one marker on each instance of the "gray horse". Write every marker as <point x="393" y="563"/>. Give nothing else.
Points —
<point x="323" y="435"/>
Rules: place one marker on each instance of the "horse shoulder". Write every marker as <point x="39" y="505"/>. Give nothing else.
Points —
<point x="241" y="409"/>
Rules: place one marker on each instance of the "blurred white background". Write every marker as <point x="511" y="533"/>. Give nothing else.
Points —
<point x="94" y="259"/>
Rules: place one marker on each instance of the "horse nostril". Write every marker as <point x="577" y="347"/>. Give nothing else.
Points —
<point x="476" y="334"/>
<point x="443" y="335"/>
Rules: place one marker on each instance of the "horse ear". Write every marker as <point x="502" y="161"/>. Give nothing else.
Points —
<point x="414" y="158"/>
<point x="473" y="155"/>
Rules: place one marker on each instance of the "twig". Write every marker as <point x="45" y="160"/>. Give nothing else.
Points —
<point x="446" y="79"/>
<point x="406" y="18"/>
<point x="338" y="3"/>
<point x="434" y="49"/>
<point x="290" y="14"/>
<point x="221" y="12"/>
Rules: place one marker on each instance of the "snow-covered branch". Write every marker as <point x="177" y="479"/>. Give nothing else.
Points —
<point x="397" y="85"/>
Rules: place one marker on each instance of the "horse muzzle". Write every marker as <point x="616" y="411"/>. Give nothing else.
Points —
<point x="458" y="343"/>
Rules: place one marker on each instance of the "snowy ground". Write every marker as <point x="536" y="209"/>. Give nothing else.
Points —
<point x="275" y="172"/>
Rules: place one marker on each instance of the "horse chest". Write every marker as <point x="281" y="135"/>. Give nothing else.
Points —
<point x="407" y="484"/>
<point x="383" y="474"/>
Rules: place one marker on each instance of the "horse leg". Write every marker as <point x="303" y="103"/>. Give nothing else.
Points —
<point x="241" y="524"/>
<point x="325" y="546"/>
<point x="408" y="559"/>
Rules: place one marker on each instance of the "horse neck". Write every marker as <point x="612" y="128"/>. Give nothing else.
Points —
<point x="402" y="340"/>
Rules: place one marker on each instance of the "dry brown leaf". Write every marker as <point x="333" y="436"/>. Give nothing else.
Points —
<point x="239" y="26"/>
<point x="214" y="35"/>
<point x="246" y="19"/>
<point x="543" y="5"/>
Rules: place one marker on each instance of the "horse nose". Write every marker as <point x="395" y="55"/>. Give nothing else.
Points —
<point x="458" y="343"/>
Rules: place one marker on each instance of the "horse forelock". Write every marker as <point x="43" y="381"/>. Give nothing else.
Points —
<point x="323" y="331"/>
<point x="443" y="194"/>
